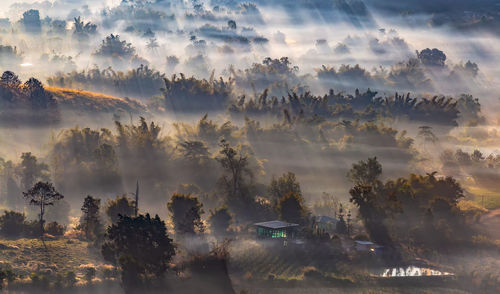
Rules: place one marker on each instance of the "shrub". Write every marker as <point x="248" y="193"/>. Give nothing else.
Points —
<point x="12" y="223"/>
<point x="32" y="229"/>
<point x="90" y="274"/>
<point x="55" y="229"/>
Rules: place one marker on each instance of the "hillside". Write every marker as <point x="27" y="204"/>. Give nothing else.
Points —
<point x="86" y="101"/>
<point x="33" y="104"/>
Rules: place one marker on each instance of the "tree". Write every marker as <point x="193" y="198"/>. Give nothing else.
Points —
<point x="141" y="247"/>
<point x="291" y="208"/>
<point x="112" y="46"/>
<point x="194" y="150"/>
<point x="31" y="21"/>
<point x="341" y="226"/>
<point x="42" y="194"/>
<point x="30" y="171"/>
<point x="90" y="221"/>
<point x="122" y="205"/>
<point x="186" y="213"/>
<point x="220" y="220"/>
<point x="235" y="164"/>
<point x="285" y="184"/>
<point x="55" y="229"/>
<point x="82" y="28"/>
<point x="425" y="132"/>
<point x="365" y="172"/>
<point x="12" y="223"/>
<point x="10" y="190"/>
<point x="366" y="199"/>
<point x="365" y="195"/>
<point x="10" y="78"/>
<point x="39" y="98"/>
<point x="434" y="57"/>
<point x="231" y="24"/>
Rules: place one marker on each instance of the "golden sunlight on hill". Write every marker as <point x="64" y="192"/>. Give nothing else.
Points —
<point x="80" y="100"/>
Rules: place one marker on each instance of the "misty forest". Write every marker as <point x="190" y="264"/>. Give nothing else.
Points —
<point x="249" y="147"/>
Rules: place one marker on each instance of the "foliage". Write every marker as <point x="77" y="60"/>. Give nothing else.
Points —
<point x="12" y="223"/>
<point x="143" y="154"/>
<point x="83" y="31"/>
<point x="117" y="52"/>
<point x="426" y="204"/>
<point x="10" y="78"/>
<point x="141" y="82"/>
<point x="121" y="205"/>
<point x="220" y="219"/>
<point x="327" y="205"/>
<point x="365" y="173"/>
<point x="365" y="106"/>
<point x="85" y="161"/>
<point x="434" y="57"/>
<point x="279" y="76"/>
<point x="114" y="46"/>
<point x="193" y="95"/>
<point x="42" y="194"/>
<point x="141" y="247"/>
<point x="483" y="169"/>
<point x="186" y="212"/>
<point x="291" y="208"/>
<point x="55" y="229"/>
<point x="31" y="21"/>
<point x="28" y="103"/>
<point x="236" y="180"/>
<point x="90" y="221"/>
<point x="30" y="171"/>
<point x="285" y="184"/>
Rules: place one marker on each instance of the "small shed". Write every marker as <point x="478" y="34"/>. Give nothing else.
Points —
<point x="276" y="229"/>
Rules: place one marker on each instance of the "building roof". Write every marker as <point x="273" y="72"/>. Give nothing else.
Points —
<point x="368" y="243"/>
<point x="364" y="242"/>
<point x="276" y="224"/>
<point x="326" y="219"/>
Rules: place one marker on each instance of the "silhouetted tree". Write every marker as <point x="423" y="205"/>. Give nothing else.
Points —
<point x="364" y="175"/>
<point x="291" y="208"/>
<point x="11" y="79"/>
<point x="90" y="221"/>
<point x="121" y="205"/>
<point x="220" y="220"/>
<point x="185" y="211"/>
<point x="434" y="57"/>
<point x="231" y="24"/>
<point x="341" y="226"/>
<point x="141" y="248"/>
<point x="365" y="172"/>
<point x="31" y="21"/>
<point x="12" y="223"/>
<point x="42" y="194"/>
<point x="285" y="184"/>
<point x="30" y="170"/>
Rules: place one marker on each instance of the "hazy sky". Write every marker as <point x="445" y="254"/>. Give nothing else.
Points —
<point x="5" y="4"/>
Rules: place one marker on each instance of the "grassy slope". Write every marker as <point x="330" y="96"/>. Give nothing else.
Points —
<point x="29" y="255"/>
<point x="86" y="101"/>
<point x="491" y="198"/>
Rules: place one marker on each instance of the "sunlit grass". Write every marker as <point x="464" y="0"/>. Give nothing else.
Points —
<point x="72" y="93"/>
<point x="29" y="255"/>
<point x="487" y="198"/>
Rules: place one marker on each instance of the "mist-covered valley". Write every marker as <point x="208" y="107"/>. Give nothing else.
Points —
<point x="249" y="146"/>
